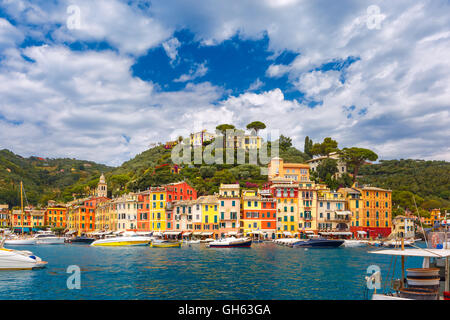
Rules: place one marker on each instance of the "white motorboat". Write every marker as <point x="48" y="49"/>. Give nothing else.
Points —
<point x="48" y="237"/>
<point x="123" y="241"/>
<point x="231" y="242"/>
<point x="192" y="241"/>
<point x="17" y="241"/>
<point x="355" y="243"/>
<point x="19" y="260"/>
<point x="397" y="243"/>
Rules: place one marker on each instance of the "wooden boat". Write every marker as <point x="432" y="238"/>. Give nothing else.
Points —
<point x="165" y="244"/>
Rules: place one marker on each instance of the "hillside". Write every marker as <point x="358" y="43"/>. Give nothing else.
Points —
<point x="60" y="179"/>
<point x="428" y="180"/>
<point x="42" y="178"/>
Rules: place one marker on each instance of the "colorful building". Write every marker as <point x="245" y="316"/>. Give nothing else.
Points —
<point x="259" y="214"/>
<point x="333" y="219"/>
<point x="56" y="216"/>
<point x="5" y="216"/>
<point x="198" y="138"/>
<point x="434" y="218"/>
<point x="297" y="172"/>
<point x="307" y="206"/>
<point x="230" y="209"/>
<point x="403" y="227"/>
<point x="371" y="209"/>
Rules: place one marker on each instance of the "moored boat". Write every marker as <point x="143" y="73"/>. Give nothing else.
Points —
<point x="122" y="241"/>
<point x="231" y="243"/>
<point x="16" y="241"/>
<point x="318" y="243"/>
<point x="81" y="240"/>
<point x="165" y="244"/>
<point x="19" y="260"/>
<point x="355" y="243"/>
<point x="48" y="237"/>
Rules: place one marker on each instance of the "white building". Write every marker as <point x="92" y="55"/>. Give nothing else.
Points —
<point x="341" y="165"/>
<point x="126" y="210"/>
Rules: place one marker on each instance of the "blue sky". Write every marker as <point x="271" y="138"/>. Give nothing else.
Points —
<point x="133" y="73"/>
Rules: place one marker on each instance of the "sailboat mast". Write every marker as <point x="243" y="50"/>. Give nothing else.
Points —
<point x="21" y="204"/>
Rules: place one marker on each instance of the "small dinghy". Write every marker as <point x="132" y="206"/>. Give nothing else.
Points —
<point x="231" y="243"/>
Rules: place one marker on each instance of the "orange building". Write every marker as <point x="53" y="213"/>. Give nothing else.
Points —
<point x="298" y="172"/>
<point x="56" y="216"/>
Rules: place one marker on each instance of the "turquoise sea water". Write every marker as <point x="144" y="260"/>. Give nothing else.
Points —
<point x="264" y="271"/>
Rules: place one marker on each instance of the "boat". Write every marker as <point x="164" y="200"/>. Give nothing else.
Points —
<point x="355" y="243"/>
<point x="165" y="244"/>
<point x="318" y="243"/>
<point x="192" y="241"/>
<point x="22" y="240"/>
<point x="231" y="242"/>
<point x="397" y="243"/>
<point x="122" y="241"/>
<point x="81" y="240"/>
<point x="48" y="237"/>
<point x="17" y="241"/>
<point x="19" y="259"/>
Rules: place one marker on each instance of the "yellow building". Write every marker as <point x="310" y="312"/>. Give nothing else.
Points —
<point x="402" y="227"/>
<point x="297" y="172"/>
<point x="435" y="216"/>
<point x="5" y="219"/>
<point x="209" y="206"/>
<point x="198" y="138"/>
<point x="307" y="205"/>
<point x="333" y="218"/>
<point x="286" y="195"/>
<point x="157" y="209"/>
<point x="55" y="216"/>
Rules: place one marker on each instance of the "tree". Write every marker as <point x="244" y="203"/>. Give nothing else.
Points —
<point x="325" y="148"/>
<point x="356" y="157"/>
<point x="308" y="146"/>
<point x="256" y="125"/>
<point x="327" y="166"/>
<point x="285" y="143"/>
<point x="223" y="129"/>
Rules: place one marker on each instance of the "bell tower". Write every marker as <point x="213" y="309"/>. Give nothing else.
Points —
<point x="102" y="187"/>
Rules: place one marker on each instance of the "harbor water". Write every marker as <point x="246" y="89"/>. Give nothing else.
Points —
<point x="264" y="271"/>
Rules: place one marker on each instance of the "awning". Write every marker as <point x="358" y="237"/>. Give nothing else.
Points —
<point x="343" y="213"/>
<point x="71" y="232"/>
<point x="287" y="233"/>
<point x="232" y="233"/>
<point x="172" y="233"/>
<point x="187" y="234"/>
<point x="309" y="231"/>
<point x="207" y="233"/>
<point x="336" y="233"/>
<point x="197" y="233"/>
<point x="361" y="232"/>
<point x="157" y="233"/>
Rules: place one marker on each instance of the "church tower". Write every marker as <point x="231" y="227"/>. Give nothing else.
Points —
<point x="102" y="187"/>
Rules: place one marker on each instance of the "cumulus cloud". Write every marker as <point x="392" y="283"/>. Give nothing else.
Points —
<point x="394" y="98"/>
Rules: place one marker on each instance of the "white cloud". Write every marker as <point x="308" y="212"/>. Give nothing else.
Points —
<point x="9" y="35"/>
<point x="127" y="28"/>
<point x="171" y="47"/>
<point x="200" y="70"/>
<point x="256" y="85"/>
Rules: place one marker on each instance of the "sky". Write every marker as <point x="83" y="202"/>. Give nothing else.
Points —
<point x="104" y="80"/>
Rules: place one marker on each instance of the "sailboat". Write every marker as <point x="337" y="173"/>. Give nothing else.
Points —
<point x="14" y="240"/>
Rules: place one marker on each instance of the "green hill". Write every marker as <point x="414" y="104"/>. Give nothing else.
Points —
<point x="43" y="179"/>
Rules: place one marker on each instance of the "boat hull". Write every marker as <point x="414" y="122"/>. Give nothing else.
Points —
<point x="50" y="241"/>
<point x="122" y="241"/>
<point x="235" y="244"/>
<point x="81" y="241"/>
<point x="19" y="260"/>
<point x="20" y="242"/>
<point x="165" y="245"/>
<point x="319" y="244"/>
